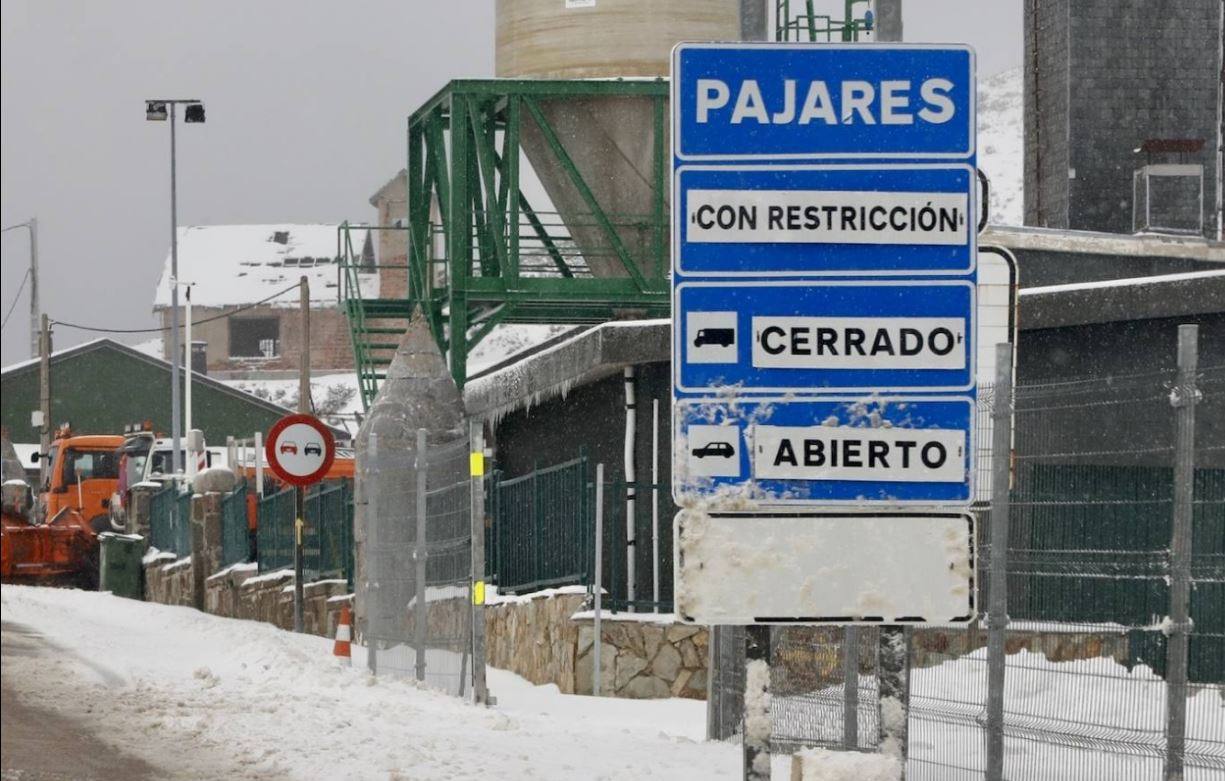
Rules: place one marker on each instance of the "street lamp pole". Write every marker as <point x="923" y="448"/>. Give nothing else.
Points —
<point x="158" y="111"/>
<point x="176" y="357"/>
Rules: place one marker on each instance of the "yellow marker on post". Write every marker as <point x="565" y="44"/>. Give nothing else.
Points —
<point x="476" y="464"/>
<point x="478" y="592"/>
<point x="298" y="526"/>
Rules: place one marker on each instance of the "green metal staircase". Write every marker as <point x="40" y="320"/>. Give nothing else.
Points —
<point x="375" y="324"/>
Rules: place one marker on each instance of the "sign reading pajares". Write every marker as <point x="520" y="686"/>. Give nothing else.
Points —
<point x="796" y="102"/>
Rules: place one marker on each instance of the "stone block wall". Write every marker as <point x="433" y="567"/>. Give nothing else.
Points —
<point x="238" y="591"/>
<point x="643" y="660"/>
<point x="538" y="639"/>
<point x="169" y="581"/>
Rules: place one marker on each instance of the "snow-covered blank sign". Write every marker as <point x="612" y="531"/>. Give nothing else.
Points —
<point x="815" y="569"/>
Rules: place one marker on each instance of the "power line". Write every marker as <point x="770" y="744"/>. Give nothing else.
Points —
<point x="16" y="298"/>
<point x="222" y="316"/>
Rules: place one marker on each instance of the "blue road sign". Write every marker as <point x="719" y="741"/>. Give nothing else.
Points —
<point x="824" y="336"/>
<point x="904" y="450"/>
<point x="831" y="220"/>
<point x="824" y="312"/>
<point x="802" y="102"/>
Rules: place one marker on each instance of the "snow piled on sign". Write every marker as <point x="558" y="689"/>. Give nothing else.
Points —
<point x="734" y="569"/>
<point x="230" y="265"/>
<point x="1000" y="148"/>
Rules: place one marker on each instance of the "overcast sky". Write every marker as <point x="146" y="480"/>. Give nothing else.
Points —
<point x="306" y="105"/>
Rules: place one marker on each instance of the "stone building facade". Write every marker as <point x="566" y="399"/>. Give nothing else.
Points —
<point x="391" y="202"/>
<point x="246" y="304"/>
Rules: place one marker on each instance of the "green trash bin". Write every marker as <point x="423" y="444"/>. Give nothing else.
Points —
<point x="120" y="570"/>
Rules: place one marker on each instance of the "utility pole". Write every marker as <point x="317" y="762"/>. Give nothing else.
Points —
<point x="44" y="398"/>
<point x="35" y="310"/>
<point x="304" y="406"/>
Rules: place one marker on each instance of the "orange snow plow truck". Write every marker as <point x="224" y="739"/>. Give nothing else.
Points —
<point x="54" y="541"/>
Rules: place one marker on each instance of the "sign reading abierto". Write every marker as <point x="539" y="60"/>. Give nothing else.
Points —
<point x="824" y="258"/>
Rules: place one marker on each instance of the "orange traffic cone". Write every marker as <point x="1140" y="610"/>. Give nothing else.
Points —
<point x="344" y="634"/>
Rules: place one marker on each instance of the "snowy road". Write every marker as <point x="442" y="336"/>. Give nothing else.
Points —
<point x="37" y="744"/>
<point x="198" y="696"/>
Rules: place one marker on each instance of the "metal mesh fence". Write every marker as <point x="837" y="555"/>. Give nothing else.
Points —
<point x="418" y="563"/>
<point x="1089" y="562"/>
<point x="235" y="537"/>
<point x="169" y="520"/>
<point x="275" y="538"/>
<point x="328" y="539"/>
<point x="542" y="532"/>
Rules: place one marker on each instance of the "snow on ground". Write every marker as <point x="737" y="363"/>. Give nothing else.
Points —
<point x="207" y="697"/>
<point x="1000" y="147"/>
<point x="285" y="391"/>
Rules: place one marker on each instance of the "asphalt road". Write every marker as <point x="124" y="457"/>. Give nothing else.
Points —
<point x="39" y="744"/>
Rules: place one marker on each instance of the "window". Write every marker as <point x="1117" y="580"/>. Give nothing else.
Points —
<point x="90" y="465"/>
<point x="255" y="337"/>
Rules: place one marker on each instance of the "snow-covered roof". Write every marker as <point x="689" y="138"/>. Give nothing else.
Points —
<point x="231" y="265"/>
<point x="76" y="348"/>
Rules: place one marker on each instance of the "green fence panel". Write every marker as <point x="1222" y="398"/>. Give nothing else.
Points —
<point x="274" y="537"/>
<point x="328" y="537"/>
<point x="235" y="538"/>
<point x="1090" y="544"/>
<point x="170" y="521"/>
<point x="541" y="535"/>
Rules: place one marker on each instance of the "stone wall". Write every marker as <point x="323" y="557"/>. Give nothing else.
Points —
<point x="644" y="660"/>
<point x="238" y="591"/>
<point x="538" y="639"/>
<point x="169" y="581"/>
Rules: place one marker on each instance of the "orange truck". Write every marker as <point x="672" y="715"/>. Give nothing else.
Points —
<point x="83" y="475"/>
<point x="54" y="541"/>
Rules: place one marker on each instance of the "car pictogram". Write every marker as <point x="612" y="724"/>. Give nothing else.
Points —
<point x="723" y="337"/>
<point x="313" y="449"/>
<point x="289" y="447"/>
<point x="715" y="450"/>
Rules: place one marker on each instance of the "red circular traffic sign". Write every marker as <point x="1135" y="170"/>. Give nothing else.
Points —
<point x="300" y="449"/>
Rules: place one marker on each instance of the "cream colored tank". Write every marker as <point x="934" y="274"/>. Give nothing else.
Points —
<point x="578" y="39"/>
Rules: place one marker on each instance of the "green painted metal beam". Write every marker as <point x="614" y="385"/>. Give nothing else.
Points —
<point x="458" y="162"/>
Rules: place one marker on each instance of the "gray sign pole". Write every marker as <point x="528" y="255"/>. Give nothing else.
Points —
<point x="1184" y="399"/>
<point x="304" y="406"/>
<point x="597" y="637"/>
<point x="757" y="727"/>
<point x="894" y="698"/>
<point x="420" y="613"/>
<point x="997" y="611"/>
<point x="476" y="437"/>
<point x="850" y="687"/>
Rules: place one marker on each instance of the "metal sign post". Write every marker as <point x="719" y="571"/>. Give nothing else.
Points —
<point x="300" y="450"/>
<point x="824" y="250"/>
